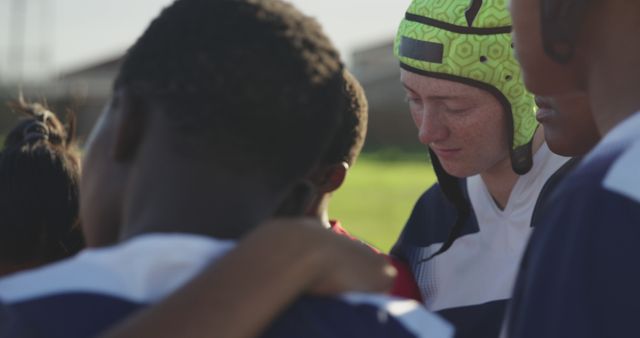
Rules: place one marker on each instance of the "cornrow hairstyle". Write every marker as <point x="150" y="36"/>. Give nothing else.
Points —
<point x="252" y="84"/>
<point x="39" y="188"/>
<point x="349" y="138"/>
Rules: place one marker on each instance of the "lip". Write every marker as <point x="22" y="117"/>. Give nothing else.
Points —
<point x="445" y="153"/>
<point x="544" y="115"/>
<point x="545" y="109"/>
<point x="543" y="103"/>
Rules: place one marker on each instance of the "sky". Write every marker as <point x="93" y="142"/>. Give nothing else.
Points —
<point x="62" y="35"/>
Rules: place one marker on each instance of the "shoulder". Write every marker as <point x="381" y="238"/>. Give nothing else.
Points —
<point x="432" y="217"/>
<point x="12" y="325"/>
<point x="597" y="195"/>
<point x="592" y="217"/>
<point x="434" y="196"/>
<point x="613" y="165"/>
<point x="622" y="176"/>
<point x="156" y="270"/>
<point x="605" y="181"/>
<point x="589" y="232"/>
<point x="58" y="315"/>
<point x="431" y="210"/>
<point x="89" y="287"/>
<point x="355" y="314"/>
<point x="103" y="285"/>
<point x="550" y="186"/>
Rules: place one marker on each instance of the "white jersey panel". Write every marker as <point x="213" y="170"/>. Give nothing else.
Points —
<point x="481" y="267"/>
<point x="624" y="175"/>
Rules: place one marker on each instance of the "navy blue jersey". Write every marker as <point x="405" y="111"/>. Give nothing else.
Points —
<point x="11" y="325"/>
<point x="417" y="242"/>
<point x="471" y="283"/>
<point x="88" y="314"/>
<point x="579" y="275"/>
<point x="87" y="294"/>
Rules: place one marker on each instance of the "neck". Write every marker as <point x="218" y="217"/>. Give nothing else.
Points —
<point x="500" y="179"/>
<point x="320" y="209"/>
<point x="201" y="202"/>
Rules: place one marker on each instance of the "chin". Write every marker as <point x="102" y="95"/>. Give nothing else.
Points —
<point x="557" y="144"/>
<point x="559" y="148"/>
<point x="458" y="171"/>
<point x="568" y="148"/>
<point x="563" y="147"/>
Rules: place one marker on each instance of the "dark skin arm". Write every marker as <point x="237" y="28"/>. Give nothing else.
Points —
<point x="288" y="257"/>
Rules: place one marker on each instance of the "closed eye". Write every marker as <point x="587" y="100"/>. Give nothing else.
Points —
<point x="411" y="99"/>
<point x="457" y="110"/>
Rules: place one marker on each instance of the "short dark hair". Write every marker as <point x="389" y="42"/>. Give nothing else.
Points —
<point x="253" y="83"/>
<point x="349" y="138"/>
<point x="39" y="188"/>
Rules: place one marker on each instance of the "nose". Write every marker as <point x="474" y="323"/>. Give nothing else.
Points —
<point x="430" y="126"/>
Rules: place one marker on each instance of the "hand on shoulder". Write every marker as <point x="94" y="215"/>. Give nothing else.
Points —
<point x="329" y="264"/>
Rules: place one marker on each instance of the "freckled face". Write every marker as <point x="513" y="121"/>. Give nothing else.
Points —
<point x="465" y="126"/>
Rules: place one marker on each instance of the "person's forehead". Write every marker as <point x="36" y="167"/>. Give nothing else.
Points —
<point x="511" y="3"/>
<point x="525" y="14"/>
<point x="438" y="88"/>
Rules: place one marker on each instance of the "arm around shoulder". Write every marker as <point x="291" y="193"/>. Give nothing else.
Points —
<point x="267" y="271"/>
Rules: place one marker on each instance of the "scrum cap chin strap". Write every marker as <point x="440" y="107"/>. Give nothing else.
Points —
<point x="450" y="187"/>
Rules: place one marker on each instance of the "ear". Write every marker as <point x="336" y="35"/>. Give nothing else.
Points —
<point x="131" y="121"/>
<point x="329" y="178"/>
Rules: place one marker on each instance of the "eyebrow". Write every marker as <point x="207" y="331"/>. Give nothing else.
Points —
<point x="434" y="97"/>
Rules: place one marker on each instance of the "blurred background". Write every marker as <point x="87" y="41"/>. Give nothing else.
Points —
<point x="67" y="53"/>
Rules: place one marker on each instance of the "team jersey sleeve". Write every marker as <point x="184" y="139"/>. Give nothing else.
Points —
<point x="11" y="325"/>
<point x="581" y="269"/>
<point x="358" y="315"/>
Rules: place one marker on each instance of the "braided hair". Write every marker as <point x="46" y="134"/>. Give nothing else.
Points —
<point x="39" y="188"/>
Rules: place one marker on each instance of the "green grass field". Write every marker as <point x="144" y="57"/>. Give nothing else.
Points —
<point x="379" y="193"/>
<point x="378" y="196"/>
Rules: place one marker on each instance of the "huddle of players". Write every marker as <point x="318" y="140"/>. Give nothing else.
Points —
<point x="194" y="118"/>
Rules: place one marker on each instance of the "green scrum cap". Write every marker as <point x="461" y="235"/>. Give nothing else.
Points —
<point x="469" y="41"/>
